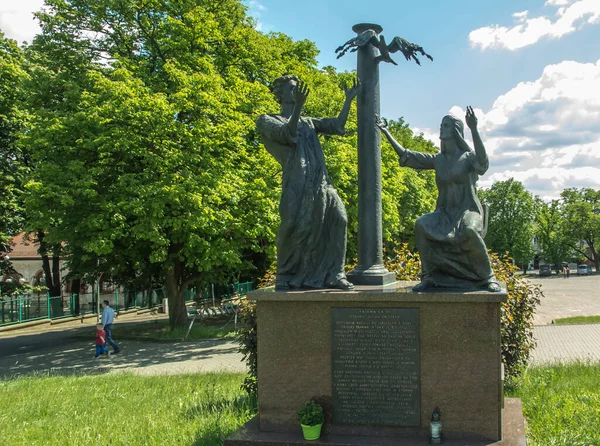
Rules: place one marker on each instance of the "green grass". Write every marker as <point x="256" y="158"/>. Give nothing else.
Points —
<point x="561" y="404"/>
<point x="217" y="327"/>
<point x="578" y="320"/>
<point x="122" y="409"/>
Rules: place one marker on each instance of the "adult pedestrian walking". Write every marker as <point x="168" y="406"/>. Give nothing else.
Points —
<point x="108" y="316"/>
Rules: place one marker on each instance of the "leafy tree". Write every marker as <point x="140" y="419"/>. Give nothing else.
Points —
<point x="550" y="230"/>
<point x="510" y="214"/>
<point x="14" y="160"/>
<point x="144" y="139"/>
<point x="581" y="213"/>
<point x="159" y="141"/>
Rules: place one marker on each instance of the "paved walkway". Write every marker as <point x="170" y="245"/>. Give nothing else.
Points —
<point x="576" y="296"/>
<point x="65" y="355"/>
<point x="566" y="343"/>
<point x="143" y="358"/>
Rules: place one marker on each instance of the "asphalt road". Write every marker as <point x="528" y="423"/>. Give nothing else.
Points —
<point x="27" y="343"/>
<point x="34" y="339"/>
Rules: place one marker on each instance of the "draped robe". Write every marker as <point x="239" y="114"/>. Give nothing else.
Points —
<point x="311" y="240"/>
<point x="450" y="239"/>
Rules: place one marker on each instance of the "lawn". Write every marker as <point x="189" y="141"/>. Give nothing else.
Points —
<point x="215" y="327"/>
<point x="561" y="404"/>
<point x="122" y="410"/>
<point x="578" y="320"/>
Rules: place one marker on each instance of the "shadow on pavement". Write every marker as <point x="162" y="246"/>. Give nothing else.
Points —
<point x="138" y="357"/>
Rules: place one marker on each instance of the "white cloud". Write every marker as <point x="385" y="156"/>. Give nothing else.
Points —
<point x="545" y="133"/>
<point x="17" y="21"/>
<point x="530" y="30"/>
<point x="256" y="5"/>
<point x="557" y="2"/>
<point x="256" y="9"/>
<point x="521" y="16"/>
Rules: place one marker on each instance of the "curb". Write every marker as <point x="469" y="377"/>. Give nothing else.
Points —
<point x="134" y="338"/>
<point x="155" y="340"/>
<point x="17" y="326"/>
<point x="71" y="319"/>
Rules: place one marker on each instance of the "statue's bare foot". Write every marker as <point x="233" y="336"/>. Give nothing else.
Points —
<point x="493" y="287"/>
<point x="341" y="284"/>
<point x="424" y="285"/>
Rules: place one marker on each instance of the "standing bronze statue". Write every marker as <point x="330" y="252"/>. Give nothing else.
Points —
<point x="311" y="241"/>
<point x="450" y="239"/>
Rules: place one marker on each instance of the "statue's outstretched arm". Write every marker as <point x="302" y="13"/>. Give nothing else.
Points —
<point x="382" y="125"/>
<point x="407" y="158"/>
<point x="350" y="94"/>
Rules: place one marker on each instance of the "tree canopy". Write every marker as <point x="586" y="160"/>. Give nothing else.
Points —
<point x="510" y="214"/>
<point x="14" y="159"/>
<point x="581" y="214"/>
<point x="148" y="165"/>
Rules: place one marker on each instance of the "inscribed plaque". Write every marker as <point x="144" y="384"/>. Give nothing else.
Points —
<point x="375" y="361"/>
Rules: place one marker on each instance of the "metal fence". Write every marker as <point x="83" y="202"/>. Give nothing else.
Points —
<point x="27" y="307"/>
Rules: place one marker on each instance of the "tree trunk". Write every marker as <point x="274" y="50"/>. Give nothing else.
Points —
<point x="52" y="277"/>
<point x="175" y="292"/>
<point x="596" y="260"/>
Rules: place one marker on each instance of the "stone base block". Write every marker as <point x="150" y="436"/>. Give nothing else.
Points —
<point x="513" y="427"/>
<point x="363" y="278"/>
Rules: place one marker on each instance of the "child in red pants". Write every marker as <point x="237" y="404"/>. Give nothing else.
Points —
<point x="100" y="341"/>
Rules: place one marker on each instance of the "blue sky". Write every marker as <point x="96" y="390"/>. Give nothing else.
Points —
<point x="530" y="68"/>
<point x="518" y="62"/>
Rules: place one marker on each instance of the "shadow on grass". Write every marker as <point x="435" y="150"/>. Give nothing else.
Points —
<point x="240" y="404"/>
<point x="228" y="415"/>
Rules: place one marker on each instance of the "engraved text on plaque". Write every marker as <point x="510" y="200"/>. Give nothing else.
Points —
<point x="375" y="361"/>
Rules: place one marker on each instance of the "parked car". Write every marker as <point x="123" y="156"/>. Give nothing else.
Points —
<point x="583" y="270"/>
<point x="545" y="270"/>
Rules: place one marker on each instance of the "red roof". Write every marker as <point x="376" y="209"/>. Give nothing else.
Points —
<point x="22" y="249"/>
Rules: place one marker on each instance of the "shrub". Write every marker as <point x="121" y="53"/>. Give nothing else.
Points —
<point x="248" y="341"/>
<point x="311" y="414"/>
<point x="517" y="315"/>
<point x="248" y="336"/>
<point x="406" y="264"/>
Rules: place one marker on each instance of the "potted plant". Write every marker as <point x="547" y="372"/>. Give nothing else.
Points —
<point x="311" y="419"/>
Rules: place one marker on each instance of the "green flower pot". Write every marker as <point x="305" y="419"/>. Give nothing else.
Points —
<point x="311" y="432"/>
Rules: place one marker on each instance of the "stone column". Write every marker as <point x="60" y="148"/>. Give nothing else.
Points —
<point x="370" y="269"/>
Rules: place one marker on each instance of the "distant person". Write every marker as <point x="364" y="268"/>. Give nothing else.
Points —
<point x="108" y="316"/>
<point x="564" y="272"/>
<point x="568" y="271"/>
<point x="100" y="341"/>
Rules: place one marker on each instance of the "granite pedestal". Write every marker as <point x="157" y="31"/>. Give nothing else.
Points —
<point x="457" y="366"/>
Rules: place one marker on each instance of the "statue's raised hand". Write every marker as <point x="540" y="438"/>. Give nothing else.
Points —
<point x="471" y="118"/>
<point x="301" y="92"/>
<point x="382" y="124"/>
<point x="352" y="92"/>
